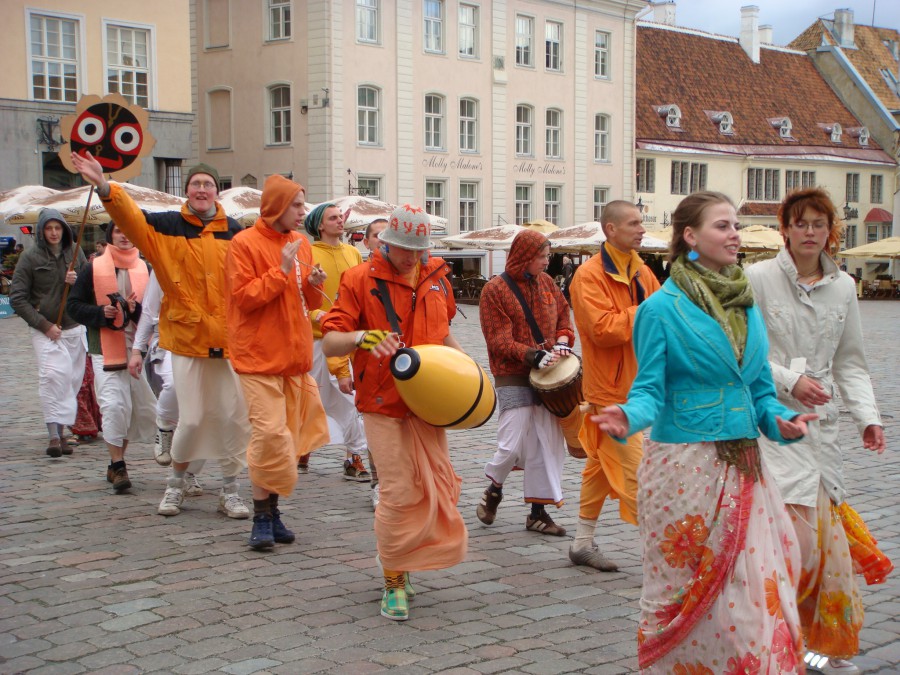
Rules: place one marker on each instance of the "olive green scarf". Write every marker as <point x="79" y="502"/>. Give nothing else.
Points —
<point x="723" y="295"/>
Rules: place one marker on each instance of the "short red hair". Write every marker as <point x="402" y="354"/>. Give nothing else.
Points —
<point x="818" y="200"/>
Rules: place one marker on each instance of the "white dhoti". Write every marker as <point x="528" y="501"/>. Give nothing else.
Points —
<point x="127" y="405"/>
<point x="339" y="407"/>
<point x="60" y="371"/>
<point x="212" y="420"/>
<point x="530" y="437"/>
<point x="167" y="402"/>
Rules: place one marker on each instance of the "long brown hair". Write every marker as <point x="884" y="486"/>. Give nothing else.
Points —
<point x="817" y="199"/>
<point x="689" y="213"/>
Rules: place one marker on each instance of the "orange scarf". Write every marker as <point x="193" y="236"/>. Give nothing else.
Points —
<point x="112" y="342"/>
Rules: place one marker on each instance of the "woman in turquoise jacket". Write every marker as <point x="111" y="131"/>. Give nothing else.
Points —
<point x="719" y="554"/>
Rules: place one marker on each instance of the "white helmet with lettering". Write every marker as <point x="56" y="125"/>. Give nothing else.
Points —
<point x="409" y="227"/>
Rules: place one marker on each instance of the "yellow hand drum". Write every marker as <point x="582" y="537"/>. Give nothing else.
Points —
<point x="443" y="386"/>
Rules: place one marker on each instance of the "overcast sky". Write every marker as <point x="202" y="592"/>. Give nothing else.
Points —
<point x="788" y="18"/>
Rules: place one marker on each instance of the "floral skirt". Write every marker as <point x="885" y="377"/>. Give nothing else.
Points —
<point x="720" y="554"/>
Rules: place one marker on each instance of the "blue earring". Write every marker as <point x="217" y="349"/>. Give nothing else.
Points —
<point x="693" y="256"/>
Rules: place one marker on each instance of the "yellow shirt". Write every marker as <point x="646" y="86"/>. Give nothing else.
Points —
<point x="334" y="260"/>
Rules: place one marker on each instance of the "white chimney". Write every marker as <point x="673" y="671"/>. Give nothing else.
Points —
<point x="664" y="12"/>
<point x="765" y="35"/>
<point x="750" y="31"/>
<point x="844" y="27"/>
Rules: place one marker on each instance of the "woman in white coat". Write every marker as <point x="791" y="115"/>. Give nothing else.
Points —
<point x="816" y="349"/>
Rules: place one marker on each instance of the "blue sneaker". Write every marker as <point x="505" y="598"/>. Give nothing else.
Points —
<point x="261" y="538"/>
<point x="280" y="533"/>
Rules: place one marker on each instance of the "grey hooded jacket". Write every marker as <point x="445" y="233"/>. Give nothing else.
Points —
<point x="40" y="277"/>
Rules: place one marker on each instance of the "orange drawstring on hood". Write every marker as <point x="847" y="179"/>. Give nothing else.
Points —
<point x="278" y="193"/>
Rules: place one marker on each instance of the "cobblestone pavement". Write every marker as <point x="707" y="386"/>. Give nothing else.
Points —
<point x="93" y="582"/>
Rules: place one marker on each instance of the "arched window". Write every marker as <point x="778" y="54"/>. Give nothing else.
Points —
<point x="553" y="146"/>
<point x="279" y="114"/>
<point x="524" y="129"/>
<point x="368" y="115"/>
<point x="434" y="122"/>
<point x="601" y="138"/>
<point x="468" y="125"/>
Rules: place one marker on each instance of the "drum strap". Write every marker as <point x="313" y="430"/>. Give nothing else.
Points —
<point x="385" y="296"/>
<point x="529" y="316"/>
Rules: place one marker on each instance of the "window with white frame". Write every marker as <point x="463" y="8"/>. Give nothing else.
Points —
<point x="553" y="146"/>
<point x="367" y="21"/>
<point x="279" y="115"/>
<point x="524" y="128"/>
<point x="523" y="203"/>
<point x="434" y="122"/>
<point x="876" y="189"/>
<point x="871" y="234"/>
<point x="646" y="175"/>
<point x="468" y="125"/>
<point x="434" y="26"/>
<point x="601" y="199"/>
<point x="468" y="206"/>
<point x="367" y="115"/>
<point x="128" y="63"/>
<point x="552" y="200"/>
<point x="435" y="198"/>
<point x="54" y="45"/>
<point x="369" y="186"/>
<point x="279" y="19"/>
<point x="468" y="31"/>
<point x="886" y="230"/>
<point x="524" y="41"/>
<point x="553" y="43"/>
<point x="219" y="120"/>
<point x="688" y="177"/>
<point x="852" y="187"/>
<point x="601" y="138"/>
<point x="601" y="54"/>
<point x="795" y="180"/>
<point x="764" y="185"/>
<point x="849" y="236"/>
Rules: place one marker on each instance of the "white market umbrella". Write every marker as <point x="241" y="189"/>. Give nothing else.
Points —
<point x="587" y="237"/>
<point x="492" y="238"/>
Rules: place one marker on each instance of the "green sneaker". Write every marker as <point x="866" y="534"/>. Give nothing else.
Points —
<point x="394" y="605"/>
<point x="408" y="587"/>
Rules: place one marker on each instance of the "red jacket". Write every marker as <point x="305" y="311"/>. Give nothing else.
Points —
<point x="425" y="322"/>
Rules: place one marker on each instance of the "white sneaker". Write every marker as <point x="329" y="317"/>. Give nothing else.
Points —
<point x="819" y="663"/>
<point x="376" y="495"/>
<point x="171" y="501"/>
<point x="192" y="487"/>
<point x="162" y="449"/>
<point x="231" y="505"/>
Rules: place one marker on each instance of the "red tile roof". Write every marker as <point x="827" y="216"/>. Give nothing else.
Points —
<point x="702" y="73"/>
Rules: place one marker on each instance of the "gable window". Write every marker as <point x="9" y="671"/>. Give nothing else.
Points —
<point x="784" y="126"/>
<point x="852" y="187"/>
<point x="468" y="205"/>
<point x="367" y="20"/>
<point x="524" y="41"/>
<point x="688" y="177"/>
<point x="54" y="58"/>
<point x="601" y="138"/>
<point x="434" y="198"/>
<point x="434" y="26"/>
<point x="280" y="115"/>
<point x="523" y="203"/>
<point x="367" y="116"/>
<point x="552" y="197"/>
<point x="601" y="199"/>
<point x="553" y="148"/>
<point x="524" y="124"/>
<point x="601" y="55"/>
<point x="128" y="64"/>
<point x="553" y="40"/>
<point x="795" y="180"/>
<point x="763" y="185"/>
<point x="876" y="189"/>
<point x="836" y="133"/>
<point x="646" y="175"/>
<point x="468" y="125"/>
<point x="279" y="19"/>
<point x="434" y="122"/>
<point x="672" y="115"/>
<point x="468" y="31"/>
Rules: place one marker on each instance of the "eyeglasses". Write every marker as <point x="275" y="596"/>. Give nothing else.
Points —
<point x="817" y="225"/>
<point x="204" y="185"/>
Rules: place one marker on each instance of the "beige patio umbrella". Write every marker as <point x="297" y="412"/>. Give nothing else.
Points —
<point x="754" y="238"/>
<point x="542" y="226"/>
<point x="587" y="237"/>
<point x="241" y="203"/>
<point x="492" y="238"/>
<point x="12" y="201"/>
<point x="889" y="247"/>
<point x="363" y="210"/>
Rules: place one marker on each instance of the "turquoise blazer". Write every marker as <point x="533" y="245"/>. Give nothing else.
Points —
<point x="689" y="385"/>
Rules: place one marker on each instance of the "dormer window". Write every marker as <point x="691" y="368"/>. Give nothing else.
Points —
<point x="784" y="126"/>
<point x="723" y="120"/>
<point x="861" y="133"/>
<point x="672" y="115"/>
<point x="836" y="133"/>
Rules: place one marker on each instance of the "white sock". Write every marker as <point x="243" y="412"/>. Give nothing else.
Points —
<point x="584" y="534"/>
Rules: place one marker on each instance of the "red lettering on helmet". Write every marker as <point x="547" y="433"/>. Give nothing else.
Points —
<point x="422" y="230"/>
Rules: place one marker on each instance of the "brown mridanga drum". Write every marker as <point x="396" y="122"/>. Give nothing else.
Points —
<point x="559" y="387"/>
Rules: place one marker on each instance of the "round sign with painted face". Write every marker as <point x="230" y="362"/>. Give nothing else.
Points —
<point x="113" y="131"/>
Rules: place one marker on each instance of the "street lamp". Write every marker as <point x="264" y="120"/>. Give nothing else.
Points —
<point x="850" y="212"/>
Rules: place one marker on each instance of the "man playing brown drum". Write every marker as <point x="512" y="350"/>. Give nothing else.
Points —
<point x="606" y="292"/>
<point x="528" y="435"/>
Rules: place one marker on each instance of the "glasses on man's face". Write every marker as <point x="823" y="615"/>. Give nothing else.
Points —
<point x="202" y="185"/>
<point x="817" y="225"/>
